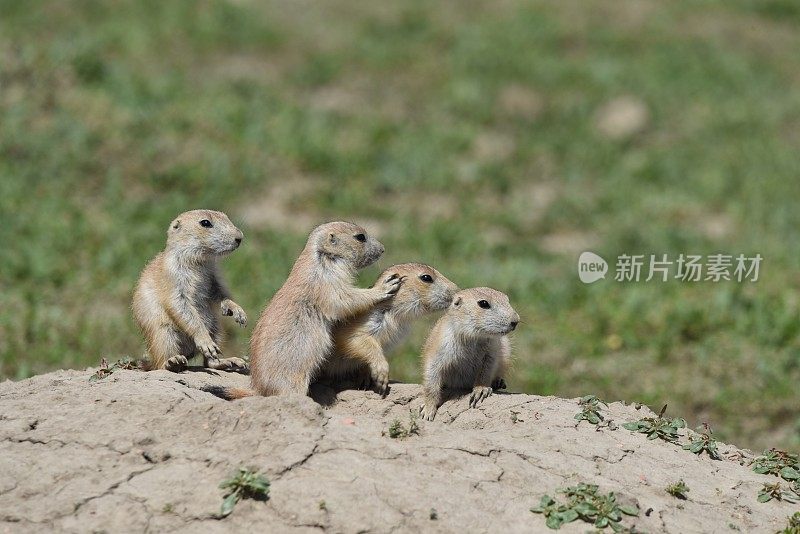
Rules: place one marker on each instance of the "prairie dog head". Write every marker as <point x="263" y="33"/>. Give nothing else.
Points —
<point x="424" y="289"/>
<point x="203" y="233"/>
<point x="482" y="311"/>
<point x="347" y="242"/>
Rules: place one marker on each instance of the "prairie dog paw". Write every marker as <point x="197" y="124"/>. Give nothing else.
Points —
<point x="176" y="364"/>
<point x="231" y="309"/>
<point x="380" y="379"/>
<point x="428" y="411"/>
<point x="207" y="347"/>
<point x="226" y="364"/>
<point x="479" y="393"/>
<point x="391" y="285"/>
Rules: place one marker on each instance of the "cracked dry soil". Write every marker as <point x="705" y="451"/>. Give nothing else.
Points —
<point x="145" y="452"/>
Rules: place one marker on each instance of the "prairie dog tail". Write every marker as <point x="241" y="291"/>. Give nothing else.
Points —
<point x="229" y="394"/>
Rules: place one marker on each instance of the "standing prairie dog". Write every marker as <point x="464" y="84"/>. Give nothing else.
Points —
<point x="361" y="341"/>
<point x="468" y="348"/>
<point x="180" y="294"/>
<point x="293" y="335"/>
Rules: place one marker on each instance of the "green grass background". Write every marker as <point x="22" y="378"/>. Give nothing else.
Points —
<point x="463" y="134"/>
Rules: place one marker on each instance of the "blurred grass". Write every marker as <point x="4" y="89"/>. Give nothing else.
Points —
<point x="462" y="134"/>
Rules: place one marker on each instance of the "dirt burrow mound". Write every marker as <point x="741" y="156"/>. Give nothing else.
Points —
<point x="139" y="451"/>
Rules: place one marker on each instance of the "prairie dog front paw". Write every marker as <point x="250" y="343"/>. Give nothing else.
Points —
<point x="379" y="374"/>
<point x="176" y="364"/>
<point x="231" y="309"/>
<point x="391" y="286"/>
<point x="479" y="393"/>
<point x="428" y="411"/>
<point x="206" y="346"/>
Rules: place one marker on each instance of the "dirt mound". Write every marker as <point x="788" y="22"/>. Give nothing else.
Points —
<point x="139" y="451"/>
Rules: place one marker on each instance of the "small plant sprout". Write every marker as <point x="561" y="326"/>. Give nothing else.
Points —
<point x="413" y="424"/>
<point x="607" y="512"/>
<point x="794" y="525"/>
<point x="397" y="430"/>
<point x="104" y="370"/>
<point x="658" y="427"/>
<point x="678" y="490"/>
<point x="434" y="515"/>
<point x="590" y="410"/>
<point x="585" y="503"/>
<point x="704" y="441"/>
<point x="555" y="514"/>
<point x="580" y="492"/>
<point x="776" y="491"/>
<point x="245" y="484"/>
<point x="779" y="463"/>
<point x="323" y="506"/>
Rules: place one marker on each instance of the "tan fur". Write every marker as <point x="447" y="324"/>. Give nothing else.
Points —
<point x="180" y="294"/>
<point x="293" y="335"/>
<point x="360" y="342"/>
<point x="468" y="348"/>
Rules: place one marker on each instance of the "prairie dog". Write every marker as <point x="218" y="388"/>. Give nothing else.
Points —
<point x="468" y="348"/>
<point x="361" y="341"/>
<point x="180" y="293"/>
<point x="293" y="335"/>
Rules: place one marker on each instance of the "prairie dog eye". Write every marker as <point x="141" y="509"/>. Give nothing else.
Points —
<point x="360" y="237"/>
<point x="484" y="304"/>
<point x="428" y="279"/>
<point x="205" y="223"/>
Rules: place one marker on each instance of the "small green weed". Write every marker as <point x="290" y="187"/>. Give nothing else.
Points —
<point x="678" y="490"/>
<point x="776" y="491"/>
<point x="779" y="463"/>
<point x="704" y="441"/>
<point x="590" y="410"/>
<point x="398" y="430"/>
<point x="585" y="503"/>
<point x="245" y="484"/>
<point x="658" y="427"/>
<point x="555" y="513"/>
<point x="105" y="370"/>
<point x="794" y="525"/>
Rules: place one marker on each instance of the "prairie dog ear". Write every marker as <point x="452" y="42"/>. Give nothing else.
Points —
<point x="174" y="226"/>
<point x="457" y="302"/>
<point x="328" y="244"/>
